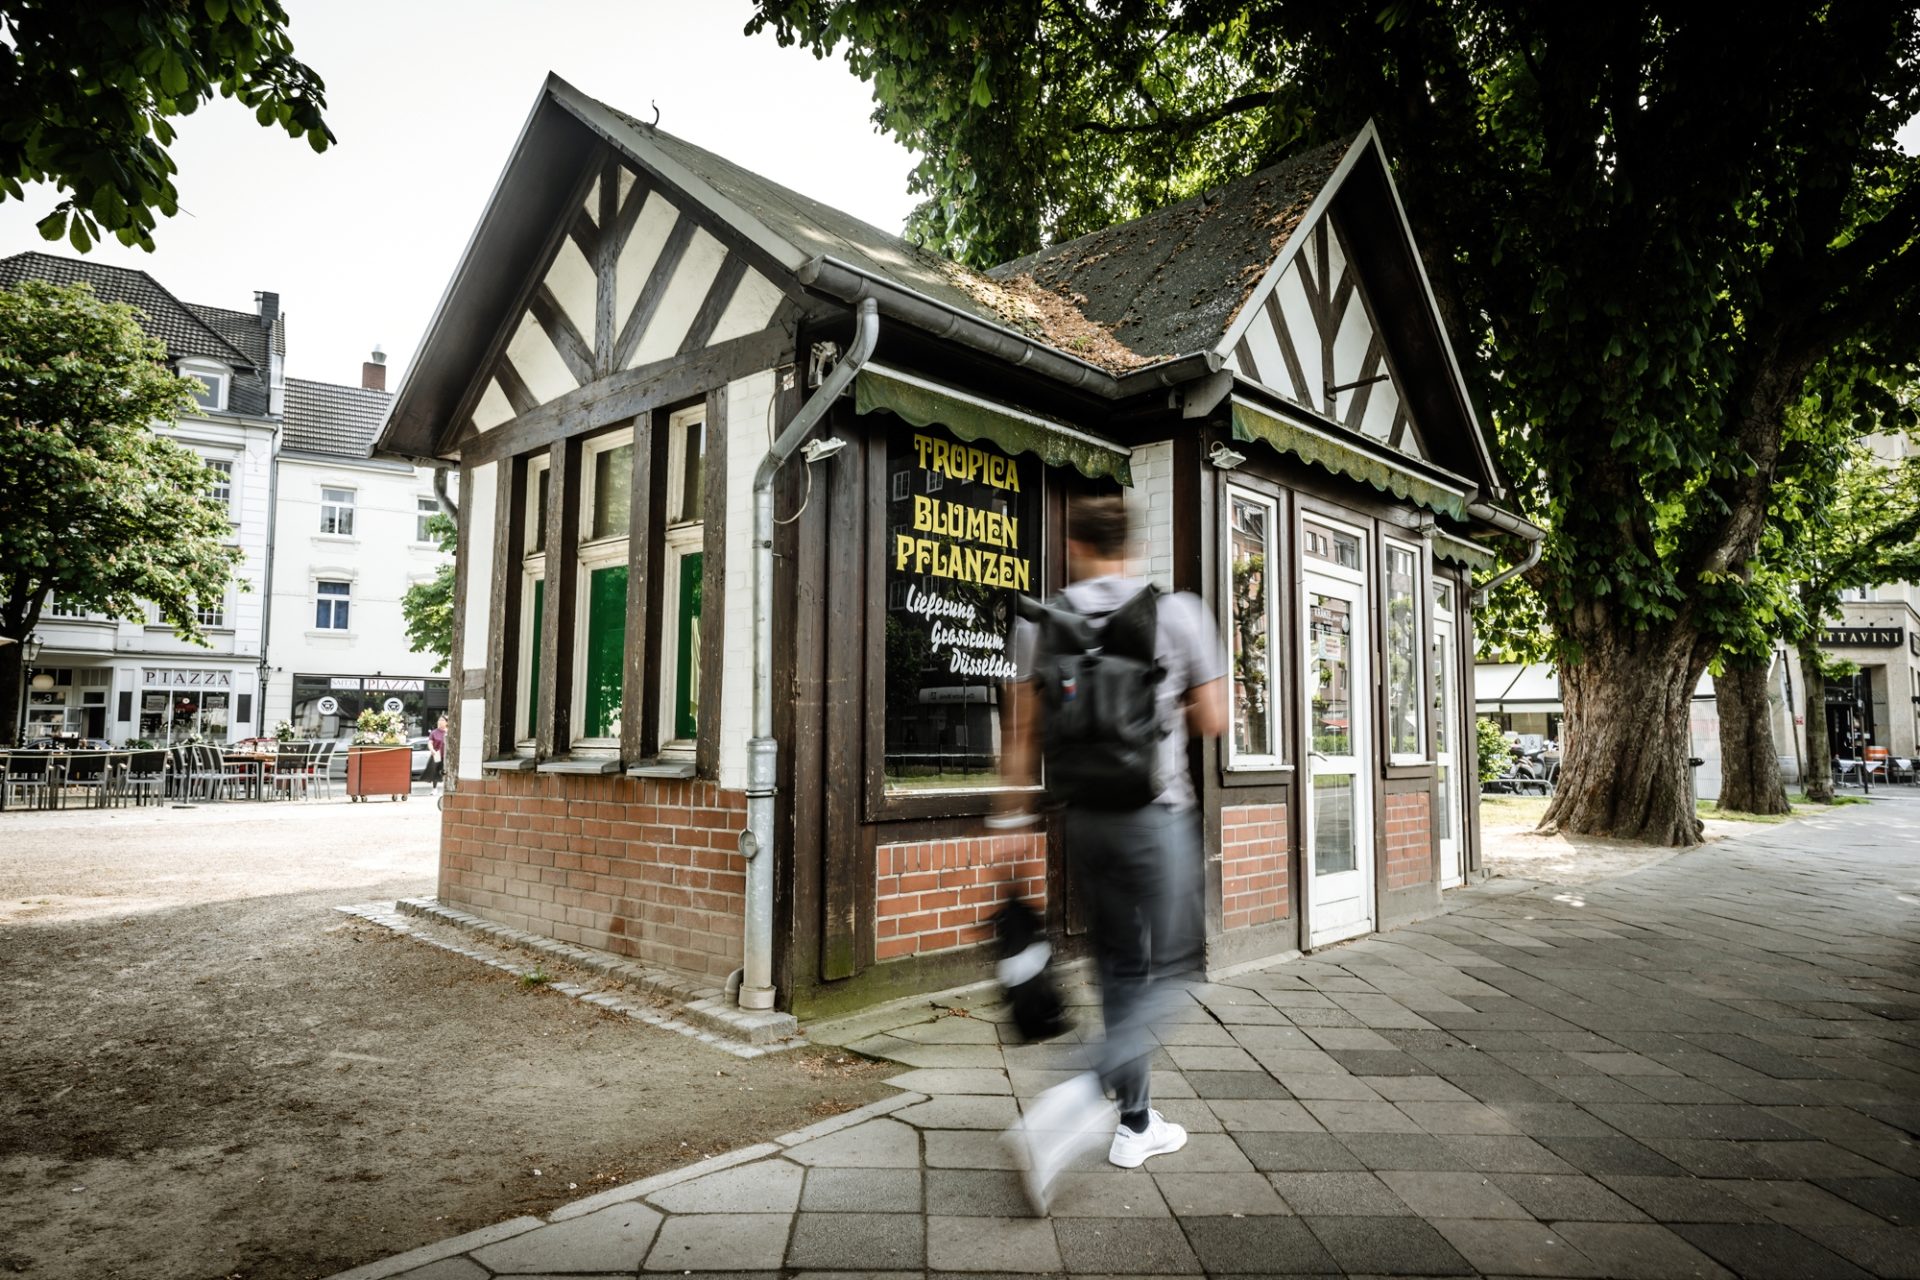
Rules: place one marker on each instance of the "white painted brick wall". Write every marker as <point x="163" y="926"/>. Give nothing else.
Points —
<point x="747" y="400"/>
<point x="1150" y="512"/>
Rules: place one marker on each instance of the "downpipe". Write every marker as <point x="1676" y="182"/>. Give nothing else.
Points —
<point x="1507" y="522"/>
<point x="756" y="842"/>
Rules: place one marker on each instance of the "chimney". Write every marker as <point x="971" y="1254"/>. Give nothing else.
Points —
<point x="268" y="305"/>
<point x="373" y="373"/>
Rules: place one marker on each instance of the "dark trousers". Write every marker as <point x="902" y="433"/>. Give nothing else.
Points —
<point x="1139" y="875"/>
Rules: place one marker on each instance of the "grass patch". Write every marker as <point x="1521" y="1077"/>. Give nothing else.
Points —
<point x="538" y="978"/>
<point x="1798" y="801"/>
<point x="1512" y="808"/>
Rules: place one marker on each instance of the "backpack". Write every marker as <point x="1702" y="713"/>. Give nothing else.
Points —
<point x="1099" y="679"/>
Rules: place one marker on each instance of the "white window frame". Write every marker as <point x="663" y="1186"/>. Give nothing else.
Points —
<point x="597" y="553"/>
<point x="679" y="541"/>
<point x="215" y="375"/>
<point x="901" y="485"/>
<point x="425" y="507"/>
<point x="218" y="622"/>
<point x="321" y="578"/>
<point x="328" y="504"/>
<point x="1422" y="630"/>
<point x="1276" y="581"/>
<point x="224" y="468"/>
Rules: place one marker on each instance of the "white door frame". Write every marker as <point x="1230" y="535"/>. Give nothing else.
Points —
<point x="1447" y="731"/>
<point x="1340" y="904"/>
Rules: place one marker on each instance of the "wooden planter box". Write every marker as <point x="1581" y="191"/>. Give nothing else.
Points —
<point x="379" y="771"/>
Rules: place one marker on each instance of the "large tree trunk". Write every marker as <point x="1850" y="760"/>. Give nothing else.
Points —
<point x="1749" y="762"/>
<point x="1819" y="778"/>
<point x="1624" y="773"/>
<point x="10" y="693"/>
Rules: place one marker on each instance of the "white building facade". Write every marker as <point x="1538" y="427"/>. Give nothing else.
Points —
<point x="350" y="537"/>
<point x="117" y="679"/>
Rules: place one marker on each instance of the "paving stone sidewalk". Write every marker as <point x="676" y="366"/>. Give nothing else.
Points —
<point x="1709" y="1068"/>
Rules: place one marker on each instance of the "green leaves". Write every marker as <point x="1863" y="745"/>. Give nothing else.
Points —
<point x="91" y="88"/>
<point x="427" y="607"/>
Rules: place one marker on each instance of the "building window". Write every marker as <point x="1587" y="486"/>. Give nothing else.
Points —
<point x="1253" y="525"/>
<point x="600" y="627"/>
<point x="682" y="582"/>
<point x="336" y="512"/>
<point x="214" y="615"/>
<point x="424" y="509"/>
<point x="1334" y="546"/>
<point x="211" y="380"/>
<point x="220" y="489"/>
<point x="1406" y="736"/>
<point x="331" y="602"/>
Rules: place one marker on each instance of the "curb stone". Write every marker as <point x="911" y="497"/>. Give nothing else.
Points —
<point x="685" y="1020"/>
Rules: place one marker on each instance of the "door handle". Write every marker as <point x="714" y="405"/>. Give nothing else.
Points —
<point x="1319" y="755"/>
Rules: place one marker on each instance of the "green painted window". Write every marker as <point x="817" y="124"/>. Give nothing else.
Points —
<point x="686" y="689"/>
<point x="606" y="650"/>
<point x="533" y="670"/>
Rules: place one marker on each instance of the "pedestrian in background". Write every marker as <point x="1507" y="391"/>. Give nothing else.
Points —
<point x="437" y="753"/>
<point x="1114" y="677"/>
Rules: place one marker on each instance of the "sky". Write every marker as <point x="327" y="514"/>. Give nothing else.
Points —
<point x="426" y="98"/>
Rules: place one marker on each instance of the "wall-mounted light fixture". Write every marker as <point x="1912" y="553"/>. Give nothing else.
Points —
<point x="818" y="450"/>
<point x="1224" y="458"/>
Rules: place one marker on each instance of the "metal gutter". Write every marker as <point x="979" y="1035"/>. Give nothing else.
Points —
<point x="756" y="979"/>
<point x="446" y="503"/>
<point x="1507" y="522"/>
<point x="850" y="284"/>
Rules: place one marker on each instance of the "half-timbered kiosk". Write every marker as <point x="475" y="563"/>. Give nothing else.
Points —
<point x="634" y="325"/>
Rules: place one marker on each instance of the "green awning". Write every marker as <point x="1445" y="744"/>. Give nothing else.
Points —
<point x="1460" y="551"/>
<point x="1321" y="449"/>
<point x="930" y="404"/>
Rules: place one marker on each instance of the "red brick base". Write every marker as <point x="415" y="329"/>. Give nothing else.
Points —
<point x="1409" y="839"/>
<point x="640" y="867"/>
<point x="939" y="894"/>
<point x="1254" y="878"/>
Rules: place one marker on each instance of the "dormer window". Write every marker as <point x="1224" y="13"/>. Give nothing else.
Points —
<point x="213" y="378"/>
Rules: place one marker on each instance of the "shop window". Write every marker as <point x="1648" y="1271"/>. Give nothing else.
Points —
<point x="1253" y="525"/>
<point x="1335" y="546"/>
<point x="600" y="627"/>
<point x="1406" y="735"/>
<point x="332" y="601"/>
<point x="336" y="512"/>
<point x="954" y="568"/>
<point x="424" y="509"/>
<point x="684" y="544"/>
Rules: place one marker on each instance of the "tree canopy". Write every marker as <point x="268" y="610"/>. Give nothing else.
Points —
<point x="1646" y="225"/>
<point x="427" y="607"/>
<point x="89" y="92"/>
<point x="97" y="508"/>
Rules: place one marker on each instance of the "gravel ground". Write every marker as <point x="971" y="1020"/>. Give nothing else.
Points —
<point x="210" y="1072"/>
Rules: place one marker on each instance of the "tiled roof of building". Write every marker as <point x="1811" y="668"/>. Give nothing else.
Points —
<point x="326" y="417"/>
<point x="174" y="322"/>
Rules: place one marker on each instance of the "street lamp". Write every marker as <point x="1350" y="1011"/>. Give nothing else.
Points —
<point x="30" y="648"/>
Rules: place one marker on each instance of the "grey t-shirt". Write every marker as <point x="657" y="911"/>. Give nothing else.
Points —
<point x="1187" y="646"/>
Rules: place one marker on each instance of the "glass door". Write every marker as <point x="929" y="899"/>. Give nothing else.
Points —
<point x="1339" y="703"/>
<point x="1446" y="735"/>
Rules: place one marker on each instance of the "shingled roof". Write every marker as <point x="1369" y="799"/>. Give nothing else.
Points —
<point x="174" y="322"/>
<point x="326" y="417"/>
<point x="1173" y="281"/>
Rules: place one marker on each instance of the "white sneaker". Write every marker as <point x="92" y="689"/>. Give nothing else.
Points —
<point x="1130" y="1150"/>
<point x="1061" y="1123"/>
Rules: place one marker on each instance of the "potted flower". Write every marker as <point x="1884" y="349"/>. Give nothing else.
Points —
<point x="286" y="732"/>
<point x="378" y="761"/>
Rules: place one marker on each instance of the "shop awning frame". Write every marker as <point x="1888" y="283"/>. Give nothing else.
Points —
<point x="1292" y="435"/>
<point x="926" y="403"/>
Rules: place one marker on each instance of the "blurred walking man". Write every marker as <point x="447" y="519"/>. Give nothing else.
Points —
<point x="1115" y="678"/>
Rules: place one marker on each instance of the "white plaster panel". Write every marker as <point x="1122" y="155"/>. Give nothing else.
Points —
<point x="473" y="719"/>
<point x="537" y="363"/>
<point x="571" y="280"/>
<point x="592" y="203"/>
<point x="1338" y="254"/>
<point x="639" y="253"/>
<point x="1271" y="365"/>
<point x="1350" y="351"/>
<point x="751" y="309"/>
<point x="1300" y="328"/>
<point x="685" y="292"/>
<point x="1378" y="420"/>
<point x="626" y="185"/>
<point x="476" y="517"/>
<point x="1150" y="514"/>
<point x="493" y="408"/>
<point x="746" y="428"/>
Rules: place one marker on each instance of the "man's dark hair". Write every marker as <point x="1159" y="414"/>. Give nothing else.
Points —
<point x="1098" y="522"/>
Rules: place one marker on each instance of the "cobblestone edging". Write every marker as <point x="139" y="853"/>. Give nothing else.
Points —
<point x="458" y="1245"/>
<point x="697" y="1011"/>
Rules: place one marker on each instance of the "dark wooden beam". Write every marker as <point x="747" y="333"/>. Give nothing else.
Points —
<point x="635" y="691"/>
<point x="1369" y="374"/>
<point x="725" y="282"/>
<point x="622" y="224"/>
<point x="713" y="588"/>
<point x="555" y="735"/>
<point x="519" y="396"/>
<point x="845" y="946"/>
<point x="502" y="657"/>
<point x="574" y="349"/>
<point x="608" y="246"/>
<point x="656" y="287"/>
<point x="583" y="233"/>
<point x="1249" y="367"/>
<point x="1289" y="354"/>
<point x="631" y="391"/>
